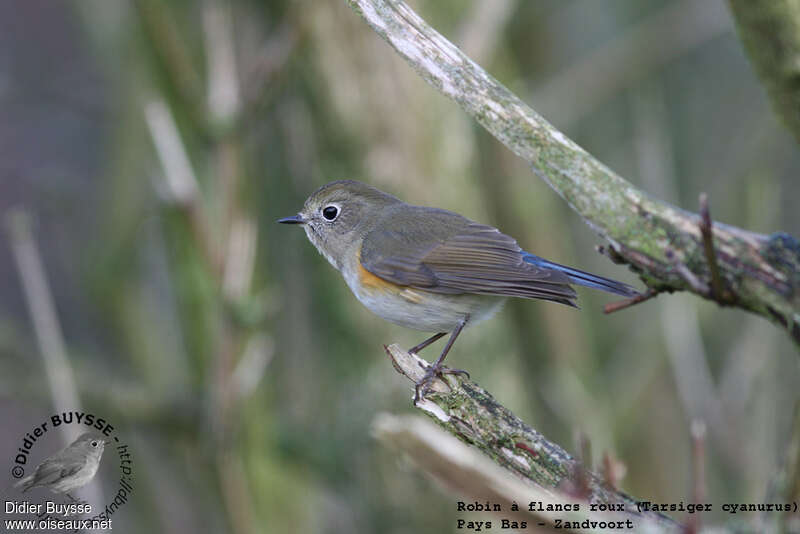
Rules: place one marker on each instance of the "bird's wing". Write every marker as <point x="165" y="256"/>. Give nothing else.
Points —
<point x="73" y="467"/>
<point x="443" y="252"/>
<point x="47" y="472"/>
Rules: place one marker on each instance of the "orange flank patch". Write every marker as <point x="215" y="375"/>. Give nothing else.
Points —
<point x="370" y="281"/>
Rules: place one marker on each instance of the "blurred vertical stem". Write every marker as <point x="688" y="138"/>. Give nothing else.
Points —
<point x="219" y="228"/>
<point x="770" y="33"/>
<point x="49" y="336"/>
<point x="42" y="310"/>
<point x="170" y="56"/>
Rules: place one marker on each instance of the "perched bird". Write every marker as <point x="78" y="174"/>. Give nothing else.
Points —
<point x="429" y="269"/>
<point x="68" y="469"/>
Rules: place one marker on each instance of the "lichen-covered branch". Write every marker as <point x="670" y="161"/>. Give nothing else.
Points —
<point x="469" y="412"/>
<point x="770" y="32"/>
<point x="660" y="242"/>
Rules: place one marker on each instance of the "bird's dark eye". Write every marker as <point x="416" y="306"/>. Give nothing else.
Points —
<point x="94" y="444"/>
<point x="330" y="212"/>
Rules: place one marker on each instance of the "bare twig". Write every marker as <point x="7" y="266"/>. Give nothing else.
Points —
<point x="708" y="248"/>
<point x="612" y="307"/>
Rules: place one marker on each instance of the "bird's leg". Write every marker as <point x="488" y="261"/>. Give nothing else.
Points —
<point x="437" y="369"/>
<point x="434" y="338"/>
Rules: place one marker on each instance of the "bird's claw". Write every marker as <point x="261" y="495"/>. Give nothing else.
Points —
<point x="424" y="384"/>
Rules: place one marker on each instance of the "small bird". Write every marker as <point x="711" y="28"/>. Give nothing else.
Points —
<point x="427" y="268"/>
<point x="68" y="469"/>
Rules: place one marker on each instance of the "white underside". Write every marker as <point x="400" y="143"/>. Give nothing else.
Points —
<point x="426" y="311"/>
<point x="413" y="308"/>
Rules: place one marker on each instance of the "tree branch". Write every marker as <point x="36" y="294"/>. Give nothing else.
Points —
<point x="770" y="33"/>
<point x="469" y="412"/>
<point x="758" y="273"/>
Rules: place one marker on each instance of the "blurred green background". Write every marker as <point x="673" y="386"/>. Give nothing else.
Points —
<point x="154" y="144"/>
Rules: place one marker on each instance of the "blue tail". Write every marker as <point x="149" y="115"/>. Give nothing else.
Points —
<point x="583" y="278"/>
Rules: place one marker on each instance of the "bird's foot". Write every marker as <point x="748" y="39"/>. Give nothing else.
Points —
<point x="433" y="371"/>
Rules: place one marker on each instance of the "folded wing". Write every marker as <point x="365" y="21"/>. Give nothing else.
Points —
<point x="442" y="252"/>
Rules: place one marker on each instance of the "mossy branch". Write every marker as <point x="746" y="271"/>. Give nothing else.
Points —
<point x="469" y="412"/>
<point x="660" y="242"/>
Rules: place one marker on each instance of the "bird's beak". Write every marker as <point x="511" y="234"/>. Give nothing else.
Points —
<point x="295" y="219"/>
